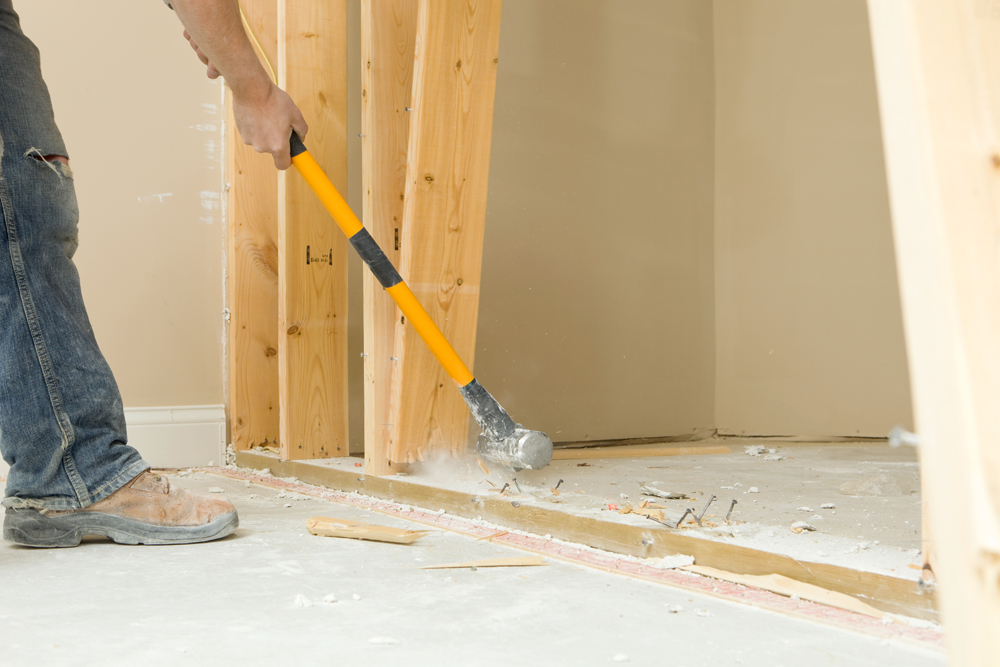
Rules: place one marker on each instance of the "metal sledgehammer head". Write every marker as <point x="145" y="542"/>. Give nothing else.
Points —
<point x="503" y="441"/>
<point x="523" y="449"/>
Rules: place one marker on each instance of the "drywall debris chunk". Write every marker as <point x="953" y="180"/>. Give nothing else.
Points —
<point x="302" y="602"/>
<point x="805" y="509"/>
<point x="753" y="489"/>
<point x="772" y="457"/>
<point x="827" y="506"/>
<point x="620" y="657"/>
<point x="675" y="609"/>
<point x="677" y="560"/>
<point x="877" y="485"/>
<point x="383" y="641"/>
<point x="800" y="526"/>
<point x="753" y="450"/>
<point x="704" y="612"/>
<point x="330" y="598"/>
<point x="216" y="489"/>
<point x="356" y="596"/>
<point x="648" y="490"/>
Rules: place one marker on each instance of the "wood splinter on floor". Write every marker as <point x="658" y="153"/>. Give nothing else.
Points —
<point x="517" y="561"/>
<point x="782" y="585"/>
<point x="329" y="527"/>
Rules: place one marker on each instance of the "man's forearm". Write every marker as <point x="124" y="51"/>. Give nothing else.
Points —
<point x="216" y="27"/>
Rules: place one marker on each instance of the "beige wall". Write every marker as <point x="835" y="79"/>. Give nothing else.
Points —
<point x="596" y="318"/>
<point x="809" y="334"/>
<point x="143" y="127"/>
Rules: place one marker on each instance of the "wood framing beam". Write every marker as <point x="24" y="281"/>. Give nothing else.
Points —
<point x="253" y="269"/>
<point x="447" y="173"/>
<point x="312" y="269"/>
<point x="938" y="73"/>
<point x="388" y="31"/>
<point x="887" y="593"/>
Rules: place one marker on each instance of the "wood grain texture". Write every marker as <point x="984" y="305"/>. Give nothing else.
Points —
<point x="937" y="69"/>
<point x="454" y="82"/>
<point x="891" y="594"/>
<point x="253" y="269"/>
<point x="312" y="273"/>
<point x="388" y="33"/>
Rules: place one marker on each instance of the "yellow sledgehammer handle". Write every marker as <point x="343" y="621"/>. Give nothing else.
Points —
<point x="379" y="264"/>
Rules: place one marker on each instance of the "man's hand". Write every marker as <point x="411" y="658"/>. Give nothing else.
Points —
<point x="264" y="121"/>
<point x="264" y="114"/>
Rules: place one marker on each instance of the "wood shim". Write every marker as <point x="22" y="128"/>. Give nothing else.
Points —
<point x="776" y="583"/>
<point x="517" y="561"/>
<point x="636" y="452"/>
<point x="330" y="527"/>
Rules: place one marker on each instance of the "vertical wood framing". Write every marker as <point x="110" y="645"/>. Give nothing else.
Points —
<point x="253" y="270"/>
<point x="938" y="74"/>
<point x="447" y="173"/>
<point x="388" y="31"/>
<point x="312" y="271"/>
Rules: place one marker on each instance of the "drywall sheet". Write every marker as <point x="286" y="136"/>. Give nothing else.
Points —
<point x="596" y="316"/>
<point x="143" y="128"/>
<point x="808" y="328"/>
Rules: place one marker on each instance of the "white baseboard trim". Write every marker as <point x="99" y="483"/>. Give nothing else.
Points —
<point x="174" y="437"/>
<point x="178" y="436"/>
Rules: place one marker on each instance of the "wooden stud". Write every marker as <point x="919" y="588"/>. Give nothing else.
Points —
<point x="312" y="272"/>
<point x="887" y="593"/>
<point x="388" y="31"/>
<point x="253" y="270"/>
<point x="938" y="74"/>
<point x="447" y="172"/>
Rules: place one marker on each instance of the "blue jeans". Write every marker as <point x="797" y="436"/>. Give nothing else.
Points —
<point x="62" y="427"/>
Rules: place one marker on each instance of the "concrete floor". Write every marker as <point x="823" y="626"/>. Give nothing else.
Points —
<point x="234" y="602"/>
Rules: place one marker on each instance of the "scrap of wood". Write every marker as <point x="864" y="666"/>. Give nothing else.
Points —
<point x="330" y="527"/>
<point x="636" y="452"/>
<point x="668" y="495"/>
<point x="481" y="465"/>
<point x="517" y="561"/>
<point x="781" y="585"/>
<point x="642" y="510"/>
<point x="494" y="535"/>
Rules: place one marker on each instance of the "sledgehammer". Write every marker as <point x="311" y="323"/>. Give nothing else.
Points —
<point x="502" y="441"/>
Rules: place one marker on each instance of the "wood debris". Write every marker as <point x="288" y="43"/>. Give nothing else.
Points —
<point x="517" y="561"/>
<point x="329" y="527"/>
<point x="643" y="509"/>
<point x="485" y="469"/>
<point x="782" y="585"/>
<point x="490" y="537"/>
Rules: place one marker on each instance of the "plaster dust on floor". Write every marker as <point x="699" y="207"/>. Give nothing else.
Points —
<point x="273" y="594"/>
<point x="859" y="522"/>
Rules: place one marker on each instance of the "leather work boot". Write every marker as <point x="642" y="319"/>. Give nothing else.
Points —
<point x="144" y="511"/>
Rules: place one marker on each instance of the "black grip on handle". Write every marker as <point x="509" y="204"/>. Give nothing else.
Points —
<point x="298" y="148"/>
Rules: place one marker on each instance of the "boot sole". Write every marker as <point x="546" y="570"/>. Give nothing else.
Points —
<point x="31" y="528"/>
